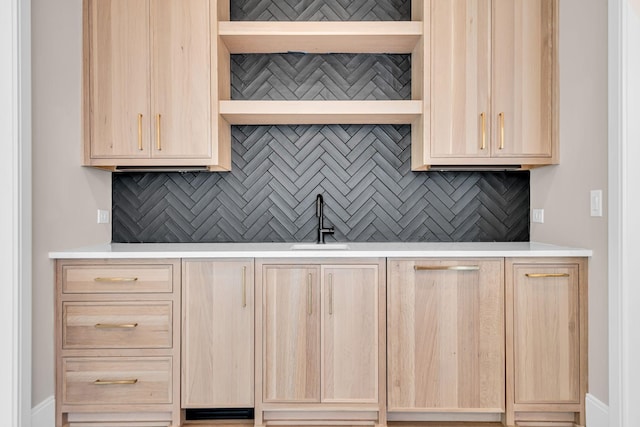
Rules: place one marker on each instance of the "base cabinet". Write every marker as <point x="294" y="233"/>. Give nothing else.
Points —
<point x="117" y="343"/>
<point x="445" y="332"/>
<point x="321" y="341"/>
<point x="546" y="340"/>
<point x="437" y="341"/>
<point x="217" y="333"/>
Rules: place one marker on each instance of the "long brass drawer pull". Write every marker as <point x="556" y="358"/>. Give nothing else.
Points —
<point x="116" y="325"/>
<point x="244" y="287"/>
<point x="115" y="382"/>
<point x="483" y="145"/>
<point x="542" y="275"/>
<point x="446" y="267"/>
<point x="140" y="132"/>
<point x="501" y="118"/>
<point x="158" y="134"/>
<point x="115" y="279"/>
<point x="309" y="296"/>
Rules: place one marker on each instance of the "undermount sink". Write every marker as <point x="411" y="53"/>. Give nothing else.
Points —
<point x="319" y="247"/>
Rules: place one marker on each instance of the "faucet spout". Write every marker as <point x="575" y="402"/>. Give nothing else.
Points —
<point x="322" y="230"/>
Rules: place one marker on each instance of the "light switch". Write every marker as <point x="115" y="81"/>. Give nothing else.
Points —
<point x="103" y="216"/>
<point x="596" y="202"/>
<point x="537" y="215"/>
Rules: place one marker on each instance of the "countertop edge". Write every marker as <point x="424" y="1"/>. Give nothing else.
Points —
<point x="487" y="251"/>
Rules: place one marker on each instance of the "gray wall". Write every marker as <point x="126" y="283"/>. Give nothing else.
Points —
<point x="65" y="195"/>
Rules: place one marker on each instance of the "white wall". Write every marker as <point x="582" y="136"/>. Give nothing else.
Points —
<point x="624" y="175"/>
<point x="65" y="195"/>
<point x="15" y="219"/>
<point x="563" y="190"/>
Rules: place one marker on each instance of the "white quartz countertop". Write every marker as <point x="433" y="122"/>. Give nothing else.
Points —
<point x="310" y="250"/>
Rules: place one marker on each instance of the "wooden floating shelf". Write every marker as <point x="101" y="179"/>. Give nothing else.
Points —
<point x="320" y="37"/>
<point x="320" y="112"/>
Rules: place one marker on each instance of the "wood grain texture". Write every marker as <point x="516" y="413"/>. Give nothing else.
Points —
<point x="119" y="78"/>
<point x="421" y="87"/>
<point x="152" y="375"/>
<point x="445" y="336"/>
<point x="117" y="278"/>
<point x="320" y="37"/>
<point x="148" y="352"/>
<point x="350" y="333"/>
<point x="181" y="79"/>
<point x="117" y="325"/>
<point x="523" y="71"/>
<point x="547" y="372"/>
<point x="319" y="112"/>
<point x="546" y="335"/>
<point x="291" y="328"/>
<point x="461" y="78"/>
<point x="217" y="338"/>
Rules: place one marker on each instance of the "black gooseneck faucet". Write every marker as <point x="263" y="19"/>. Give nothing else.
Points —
<point x="319" y="213"/>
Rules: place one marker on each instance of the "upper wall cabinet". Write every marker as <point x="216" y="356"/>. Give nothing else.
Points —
<point x="490" y="88"/>
<point x="150" y="85"/>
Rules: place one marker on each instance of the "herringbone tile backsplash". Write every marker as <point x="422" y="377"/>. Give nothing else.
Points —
<point x="320" y="10"/>
<point x="363" y="172"/>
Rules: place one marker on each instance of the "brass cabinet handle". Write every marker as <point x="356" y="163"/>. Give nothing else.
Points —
<point x="244" y="287"/>
<point x="116" y="325"/>
<point x="158" y="135"/>
<point x="309" y="296"/>
<point x="115" y="279"/>
<point x="115" y="382"/>
<point x="483" y="145"/>
<point x="501" y="118"/>
<point x="330" y="293"/>
<point x="446" y="267"/>
<point x="543" y="275"/>
<point x="140" y="132"/>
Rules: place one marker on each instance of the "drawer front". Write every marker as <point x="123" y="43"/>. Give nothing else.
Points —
<point x="116" y="381"/>
<point x="117" y="278"/>
<point x="117" y="325"/>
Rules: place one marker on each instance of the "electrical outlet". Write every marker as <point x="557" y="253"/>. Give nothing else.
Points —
<point x="537" y="216"/>
<point x="596" y="202"/>
<point x="103" y="216"/>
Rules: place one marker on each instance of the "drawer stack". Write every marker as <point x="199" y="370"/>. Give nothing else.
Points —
<point x="117" y="343"/>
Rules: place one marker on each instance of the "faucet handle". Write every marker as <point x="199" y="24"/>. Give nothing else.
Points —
<point x="319" y="203"/>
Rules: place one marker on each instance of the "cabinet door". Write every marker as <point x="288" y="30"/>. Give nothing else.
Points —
<point x="181" y="96"/>
<point x="119" y="85"/>
<point x="546" y="333"/>
<point x="217" y="340"/>
<point x="446" y="335"/>
<point x="291" y="329"/>
<point x="350" y="333"/>
<point x="522" y="78"/>
<point x="460" y="78"/>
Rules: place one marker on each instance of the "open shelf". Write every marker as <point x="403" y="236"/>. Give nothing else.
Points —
<point x="320" y="112"/>
<point x="320" y="37"/>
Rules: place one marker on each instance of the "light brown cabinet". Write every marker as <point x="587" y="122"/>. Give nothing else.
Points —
<point x="492" y="82"/>
<point x="151" y="85"/>
<point x="445" y="332"/>
<point x="117" y="342"/>
<point x="217" y="333"/>
<point x="546" y="340"/>
<point x="322" y="325"/>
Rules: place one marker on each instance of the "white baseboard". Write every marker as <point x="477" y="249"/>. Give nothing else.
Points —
<point x="44" y="413"/>
<point x="597" y="412"/>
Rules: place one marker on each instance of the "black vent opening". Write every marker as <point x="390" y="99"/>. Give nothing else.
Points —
<point x="219" y="414"/>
